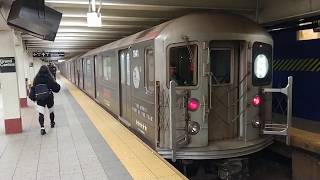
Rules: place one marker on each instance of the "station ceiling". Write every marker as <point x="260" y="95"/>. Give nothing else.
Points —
<point x="121" y="18"/>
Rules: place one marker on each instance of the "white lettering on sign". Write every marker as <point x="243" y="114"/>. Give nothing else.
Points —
<point x="7" y="64"/>
<point x="4" y="63"/>
<point x="48" y="54"/>
<point x="141" y="126"/>
<point x="142" y="111"/>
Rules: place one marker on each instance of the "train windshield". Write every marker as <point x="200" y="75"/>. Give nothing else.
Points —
<point x="183" y="65"/>
<point x="220" y="65"/>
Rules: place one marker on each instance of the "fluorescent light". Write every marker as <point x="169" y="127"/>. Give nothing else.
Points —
<point x="94" y="19"/>
<point x="304" y="24"/>
<point x="60" y="60"/>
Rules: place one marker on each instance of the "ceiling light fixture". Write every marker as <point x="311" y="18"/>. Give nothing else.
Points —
<point x="93" y="16"/>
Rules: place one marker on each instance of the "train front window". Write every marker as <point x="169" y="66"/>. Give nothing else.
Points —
<point x="220" y="65"/>
<point x="149" y="69"/>
<point x="183" y="65"/>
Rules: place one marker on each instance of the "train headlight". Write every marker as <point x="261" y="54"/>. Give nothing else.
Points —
<point x="261" y="66"/>
<point x="193" y="127"/>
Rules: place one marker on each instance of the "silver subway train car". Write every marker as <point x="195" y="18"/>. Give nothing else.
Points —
<point x="191" y="88"/>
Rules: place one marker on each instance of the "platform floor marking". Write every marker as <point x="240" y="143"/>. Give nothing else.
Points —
<point x="140" y="160"/>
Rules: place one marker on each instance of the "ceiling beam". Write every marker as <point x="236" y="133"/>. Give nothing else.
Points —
<point x="91" y="30"/>
<point x="163" y="5"/>
<point x="122" y="15"/>
<point x="108" y="35"/>
<point x="31" y="49"/>
<point x="83" y="23"/>
<point x="72" y="38"/>
<point x="82" y="13"/>
<point x="64" y="41"/>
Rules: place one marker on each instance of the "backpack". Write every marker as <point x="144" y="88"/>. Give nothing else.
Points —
<point x="42" y="92"/>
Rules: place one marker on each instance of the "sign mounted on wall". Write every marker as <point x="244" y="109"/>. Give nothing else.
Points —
<point x="7" y="64"/>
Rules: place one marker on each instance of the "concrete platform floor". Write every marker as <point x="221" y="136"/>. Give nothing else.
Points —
<point x="76" y="148"/>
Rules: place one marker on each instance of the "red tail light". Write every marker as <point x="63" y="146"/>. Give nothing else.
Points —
<point x="193" y="104"/>
<point x="256" y="101"/>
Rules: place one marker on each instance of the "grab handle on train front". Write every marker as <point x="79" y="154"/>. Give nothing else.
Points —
<point x="281" y="129"/>
<point x="172" y="118"/>
<point x="210" y="74"/>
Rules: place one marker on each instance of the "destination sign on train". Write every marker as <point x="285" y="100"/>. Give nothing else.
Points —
<point x="48" y="54"/>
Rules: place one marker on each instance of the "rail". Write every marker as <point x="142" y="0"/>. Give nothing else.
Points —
<point x="281" y="129"/>
<point x="172" y="119"/>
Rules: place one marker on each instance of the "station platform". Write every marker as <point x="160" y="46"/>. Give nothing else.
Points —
<point x="87" y="143"/>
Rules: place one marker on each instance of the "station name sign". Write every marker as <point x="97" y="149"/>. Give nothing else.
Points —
<point x="48" y="54"/>
<point x="7" y="64"/>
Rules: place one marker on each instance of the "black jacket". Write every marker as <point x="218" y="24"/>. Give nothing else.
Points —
<point x="44" y="79"/>
<point x="53" y="70"/>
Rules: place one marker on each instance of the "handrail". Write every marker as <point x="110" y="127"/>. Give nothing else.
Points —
<point x="172" y="119"/>
<point x="288" y="92"/>
<point x="156" y="112"/>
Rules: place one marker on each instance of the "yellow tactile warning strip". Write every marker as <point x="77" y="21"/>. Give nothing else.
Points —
<point x="305" y="140"/>
<point x="140" y="160"/>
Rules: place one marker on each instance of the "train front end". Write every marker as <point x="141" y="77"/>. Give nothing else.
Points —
<point x="210" y="99"/>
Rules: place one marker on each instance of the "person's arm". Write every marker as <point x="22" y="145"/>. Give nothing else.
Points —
<point x="55" y="87"/>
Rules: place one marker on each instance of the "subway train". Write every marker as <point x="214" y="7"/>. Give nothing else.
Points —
<point x="191" y="88"/>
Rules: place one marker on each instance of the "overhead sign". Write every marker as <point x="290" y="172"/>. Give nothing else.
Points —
<point x="48" y="60"/>
<point x="48" y="54"/>
<point x="7" y="64"/>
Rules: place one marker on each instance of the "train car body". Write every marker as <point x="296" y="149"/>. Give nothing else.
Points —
<point x="185" y="86"/>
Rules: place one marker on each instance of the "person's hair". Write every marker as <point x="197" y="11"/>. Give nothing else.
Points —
<point x="44" y="71"/>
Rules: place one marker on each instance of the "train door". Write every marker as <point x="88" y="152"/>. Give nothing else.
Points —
<point x="94" y="76"/>
<point x="125" y="86"/>
<point x="80" y="73"/>
<point x="223" y="93"/>
<point x="74" y="71"/>
<point x="84" y="69"/>
<point x="89" y="84"/>
<point x="71" y="71"/>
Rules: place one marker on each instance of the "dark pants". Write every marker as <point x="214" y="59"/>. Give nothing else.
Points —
<point x="41" y="119"/>
<point x="41" y="106"/>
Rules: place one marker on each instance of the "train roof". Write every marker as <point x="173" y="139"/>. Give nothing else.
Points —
<point x="207" y="23"/>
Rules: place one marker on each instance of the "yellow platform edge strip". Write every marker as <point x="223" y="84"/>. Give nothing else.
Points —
<point x="141" y="161"/>
<point x="306" y="140"/>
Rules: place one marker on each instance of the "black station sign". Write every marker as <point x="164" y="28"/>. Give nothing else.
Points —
<point x="48" y="54"/>
<point x="7" y="64"/>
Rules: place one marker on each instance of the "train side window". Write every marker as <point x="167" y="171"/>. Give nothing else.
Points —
<point x="106" y="68"/>
<point x="123" y="68"/>
<point x="183" y="65"/>
<point x="149" y="69"/>
<point x="220" y="65"/>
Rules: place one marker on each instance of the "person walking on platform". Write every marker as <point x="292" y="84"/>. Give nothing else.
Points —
<point x="53" y="69"/>
<point x="42" y="92"/>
